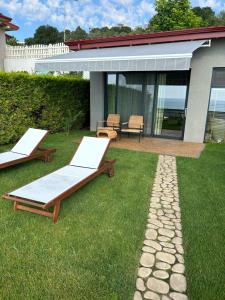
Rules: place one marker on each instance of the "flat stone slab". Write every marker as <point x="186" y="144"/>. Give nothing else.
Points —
<point x="144" y="272"/>
<point x="166" y="257"/>
<point x="178" y="282"/>
<point x="158" y="286"/>
<point x="147" y="260"/>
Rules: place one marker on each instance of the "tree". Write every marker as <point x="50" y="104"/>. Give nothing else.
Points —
<point x="220" y="18"/>
<point x="172" y="15"/>
<point x="207" y="15"/>
<point x="120" y="29"/>
<point x="12" y="41"/>
<point x="29" y="41"/>
<point x="45" y="35"/>
<point x="78" y="34"/>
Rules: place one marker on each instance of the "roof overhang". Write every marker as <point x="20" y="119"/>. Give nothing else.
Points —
<point x="5" y="23"/>
<point x="157" y="57"/>
<point x="191" y="34"/>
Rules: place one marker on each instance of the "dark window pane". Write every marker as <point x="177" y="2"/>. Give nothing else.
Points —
<point x="218" y="79"/>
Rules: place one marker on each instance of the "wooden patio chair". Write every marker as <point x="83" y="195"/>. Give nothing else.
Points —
<point x="27" y="148"/>
<point x="135" y="125"/>
<point x="112" y="123"/>
<point x="51" y="189"/>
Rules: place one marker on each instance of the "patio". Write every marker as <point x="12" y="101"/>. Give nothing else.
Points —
<point x="160" y="146"/>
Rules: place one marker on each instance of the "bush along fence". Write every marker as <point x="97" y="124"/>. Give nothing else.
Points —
<point x="41" y="101"/>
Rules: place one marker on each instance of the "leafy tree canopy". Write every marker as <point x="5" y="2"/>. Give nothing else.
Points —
<point x="221" y="18"/>
<point x="45" y="35"/>
<point x="172" y="15"/>
<point x="12" y="41"/>
<point x="207" y="15"/>
<point x="77" y="34"/>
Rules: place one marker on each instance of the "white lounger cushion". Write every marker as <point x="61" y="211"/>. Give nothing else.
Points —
<point x="54" y="184"/>
<point x="90" y="152"/>
<point x="29" y="141"/>
<point x="6" y="157"/>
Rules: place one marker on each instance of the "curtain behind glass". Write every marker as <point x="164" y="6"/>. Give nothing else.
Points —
<point x="130" y="95"/>
<point x="149" y="89"/>
<point x="111" y="93"/>
<point x="160" y="104"/>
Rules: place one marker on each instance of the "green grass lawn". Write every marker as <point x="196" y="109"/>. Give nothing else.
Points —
<point x="94" y="249"/>
<point x="202" y="197"/>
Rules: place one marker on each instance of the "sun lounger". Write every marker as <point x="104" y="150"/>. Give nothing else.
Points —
<point x="27" y="148"/>
<point x="51" y="189"/>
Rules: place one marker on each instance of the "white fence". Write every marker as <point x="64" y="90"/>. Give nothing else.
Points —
<point x="35" y="51"/>
<point x="22" y="58"/>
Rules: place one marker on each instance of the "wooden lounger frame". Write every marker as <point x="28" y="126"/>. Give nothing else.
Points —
<point x="105" y="167"/>
<point x="37" y="153"/>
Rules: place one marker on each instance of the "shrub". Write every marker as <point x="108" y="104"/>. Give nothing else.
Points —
<point x="40" y="101"/>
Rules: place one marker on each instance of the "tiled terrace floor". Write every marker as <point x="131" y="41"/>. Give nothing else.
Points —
<point x="161" y="146"/>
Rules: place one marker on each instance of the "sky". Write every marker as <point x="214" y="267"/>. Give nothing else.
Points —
<point x="30" y="14"/>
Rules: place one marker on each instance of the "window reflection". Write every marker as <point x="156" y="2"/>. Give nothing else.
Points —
<point x="215" y="128"/>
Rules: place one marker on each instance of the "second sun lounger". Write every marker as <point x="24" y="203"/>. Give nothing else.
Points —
<point x="50" y="190"/>
<point x="27" y="148"/>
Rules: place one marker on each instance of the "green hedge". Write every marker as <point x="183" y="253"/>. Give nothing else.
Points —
<point x="40" y="101"/>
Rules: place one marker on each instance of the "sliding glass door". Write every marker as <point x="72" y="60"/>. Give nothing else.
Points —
<point x="170" y="104"/>
<point x="158" y="96"/>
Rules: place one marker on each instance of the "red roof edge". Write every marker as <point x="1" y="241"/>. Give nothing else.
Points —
<point x="5" y="22"/>
<point x="149" y="38"/>
<point x="5" y="18"/>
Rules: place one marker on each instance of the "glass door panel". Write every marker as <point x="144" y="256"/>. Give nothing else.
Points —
<point x="130" y="95"/>
<point x="149" y="90"/>
<point x="111" y="94"/>
<point x="170" y="105"/>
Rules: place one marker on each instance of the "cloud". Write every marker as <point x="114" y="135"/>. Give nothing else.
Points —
<point x="214" y="4"/>
<point x="86" y="13"/>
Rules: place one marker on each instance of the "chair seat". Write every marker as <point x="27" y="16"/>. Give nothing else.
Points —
<point x="131" y="130"/>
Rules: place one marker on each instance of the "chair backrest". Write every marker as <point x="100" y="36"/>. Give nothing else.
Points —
<point x="29" y="141"/>
<point x="90" y="152"/>
<point x="136" y="121"/>
<point x="113" y="120"/>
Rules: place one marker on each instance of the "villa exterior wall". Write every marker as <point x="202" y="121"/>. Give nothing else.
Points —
<point x="97" y="98"/>
<point x="203" y="62"/>
<point x="2" y="49"/>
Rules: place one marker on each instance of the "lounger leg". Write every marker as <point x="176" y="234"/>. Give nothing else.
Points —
<point x="15" y="206"/>
<point x="109" y="168"/>
<point x="56" y="211"/>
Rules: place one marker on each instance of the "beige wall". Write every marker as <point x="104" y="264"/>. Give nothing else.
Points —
<point x="203" y="62"/>
<point x="2" y="49"/>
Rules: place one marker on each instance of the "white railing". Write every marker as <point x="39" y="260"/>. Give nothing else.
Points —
<point x="35" y="51"/>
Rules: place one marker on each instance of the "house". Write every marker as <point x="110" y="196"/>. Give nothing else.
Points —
<point x="175" y="79"/>
<point x="5" y="25"/>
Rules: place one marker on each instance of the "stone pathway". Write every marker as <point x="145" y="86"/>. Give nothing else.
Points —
<point x="161" y="270"/>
